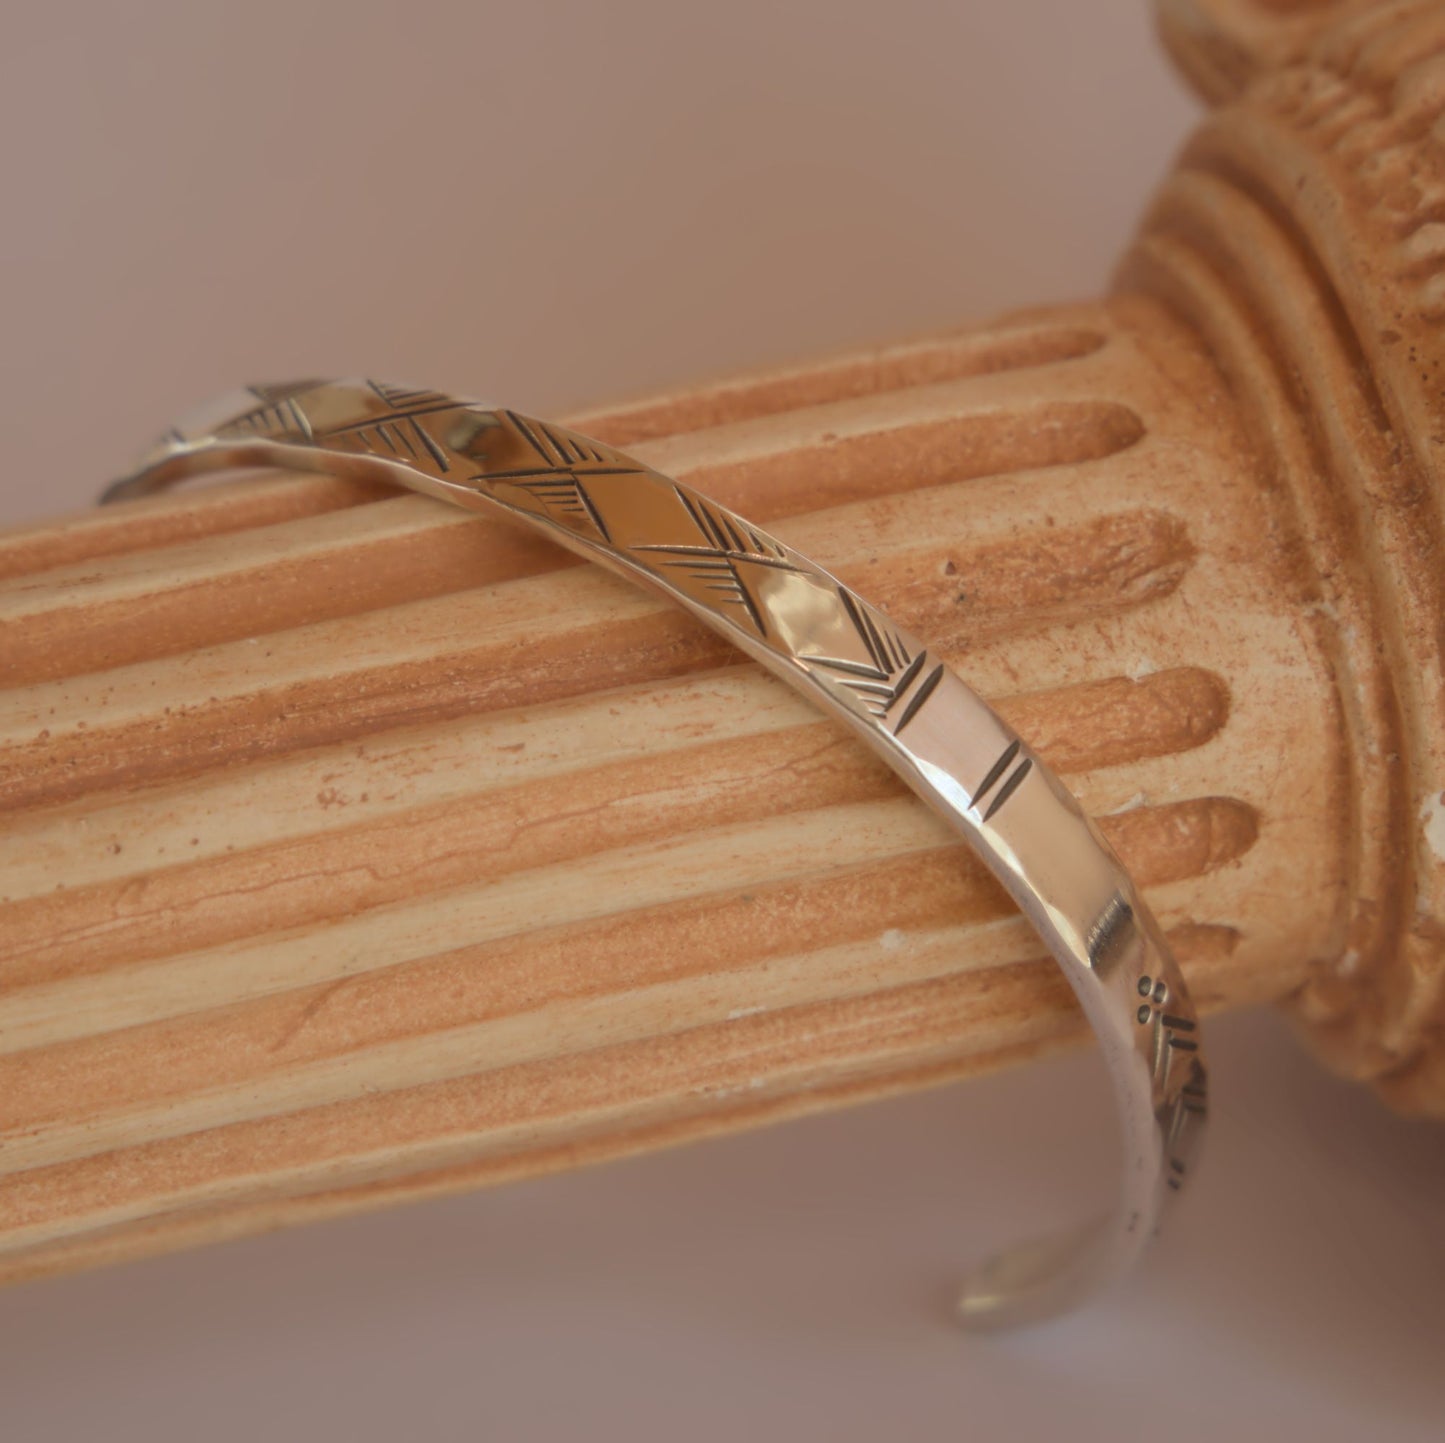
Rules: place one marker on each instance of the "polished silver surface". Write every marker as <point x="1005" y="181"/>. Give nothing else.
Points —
<point x="854" y="662"/>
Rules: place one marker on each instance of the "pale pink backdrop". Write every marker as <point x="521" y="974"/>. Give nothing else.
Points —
<point x="555" y="202"/>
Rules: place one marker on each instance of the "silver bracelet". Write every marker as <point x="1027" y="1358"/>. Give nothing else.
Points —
<point x="849" y="658"/>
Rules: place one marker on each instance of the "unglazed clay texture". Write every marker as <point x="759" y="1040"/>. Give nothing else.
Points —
<point x="1303" y="236"/>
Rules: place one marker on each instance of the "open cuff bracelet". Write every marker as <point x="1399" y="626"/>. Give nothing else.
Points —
<point x="851" y="660"/>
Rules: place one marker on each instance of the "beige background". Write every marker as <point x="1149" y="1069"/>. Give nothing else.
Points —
<point x="552" y="203"/>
